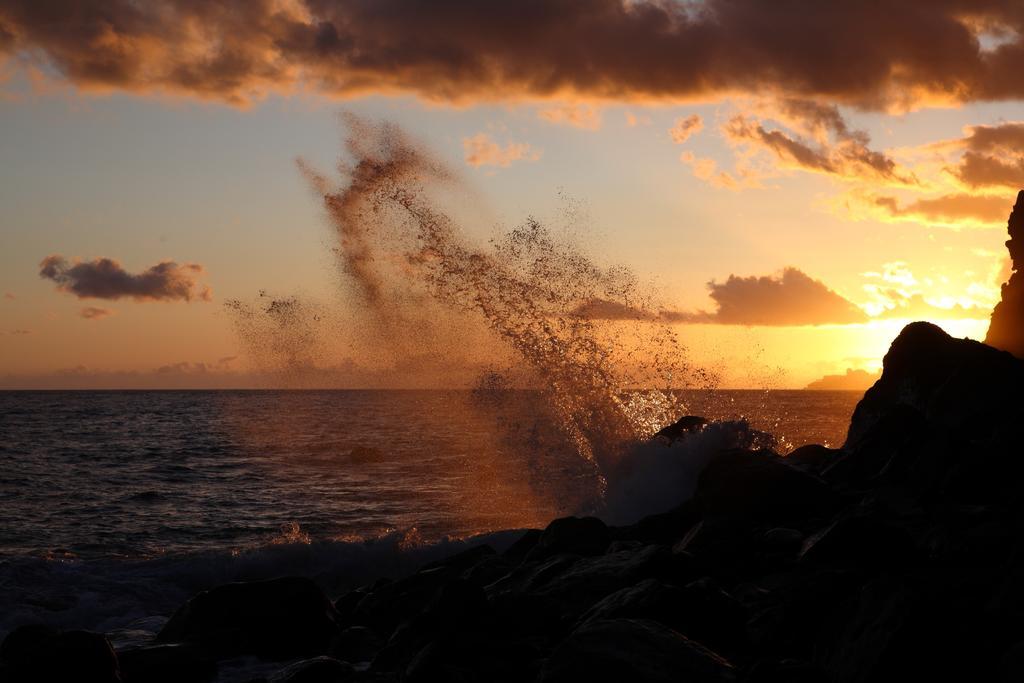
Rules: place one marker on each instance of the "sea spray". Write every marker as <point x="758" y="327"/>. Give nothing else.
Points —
<point x="603" y="369"/>
<point x="606" y="383"/>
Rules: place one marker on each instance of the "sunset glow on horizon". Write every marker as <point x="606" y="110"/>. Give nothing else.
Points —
<point x="786" y="203"/>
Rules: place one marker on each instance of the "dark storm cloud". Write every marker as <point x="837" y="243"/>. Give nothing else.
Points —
<point x="105" y="278"/>
<point x="790" y="298"/>
<point x="899" y="53"/>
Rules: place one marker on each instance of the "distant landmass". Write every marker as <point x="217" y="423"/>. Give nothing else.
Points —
<point x="853" y="380"/>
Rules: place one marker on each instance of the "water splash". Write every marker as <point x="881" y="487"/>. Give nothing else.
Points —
<point x="605" y="383"/>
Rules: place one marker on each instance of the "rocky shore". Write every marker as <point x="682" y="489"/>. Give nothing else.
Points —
<point x="896" y="557"/>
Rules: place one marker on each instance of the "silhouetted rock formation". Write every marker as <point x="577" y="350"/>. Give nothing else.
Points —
<point x="1006" y="330"/>
<point x="899" y="557"/>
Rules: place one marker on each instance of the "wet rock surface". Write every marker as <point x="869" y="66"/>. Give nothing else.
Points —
<point x="896" y="557"/>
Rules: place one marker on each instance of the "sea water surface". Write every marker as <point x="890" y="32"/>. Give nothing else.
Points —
<point x="118" y="505"/>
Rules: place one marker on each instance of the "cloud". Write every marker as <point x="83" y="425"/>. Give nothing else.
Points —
<point x="916" y="307"/>
<point x="952" y="210"/>
<point x="105" y="278"/>
<point x="633" y="120"/>
<point x="816" y="119"/>
<point x="686" y="127"/>
<point x="706" y="169"/>
<point x="790" y="298"/>
<point x="993" y="156"/>
<point x="897" y="293"/>
<point x="982" y="170"/>
<point x="834" y="150"/>
<point x="95" y="313"/>
<point x="907" y="53"/>
<point x="577" y="115"/>
<point x="481" y="150"/>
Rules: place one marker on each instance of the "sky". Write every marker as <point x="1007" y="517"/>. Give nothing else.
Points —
<point x="793" y="182"/>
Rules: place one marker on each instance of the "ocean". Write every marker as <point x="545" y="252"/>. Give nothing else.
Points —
<point x="118" y="505"/>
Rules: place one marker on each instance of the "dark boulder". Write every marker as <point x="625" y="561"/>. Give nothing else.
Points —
<point x="166" y="664"/>
<point x="861" y="541"/>
<point x="789" y="609"/>
<point x="275" y="619"/>
<point x="357" y="644"/>
<point x="315" y="670"/>
<point x="665" y="527"/>
<point x="725" y="548"/>
<point x="1011" y="664"/>
<point x="37" y="653"/>
<point x="518" y="551"/>
<point x="784" y="671"/>
<point x="954" y="383"/>
<point x="25" y="645"/>
<point x="942" y="422"/>
<point x="916" y="629"/>
<point x="590" y="579"/>
<point x="884" y="451"/>
<point x="346" y="605"/>
<point x="571" y="535"/>
<point x="389" y="604"/>
<point x="461" y="561"/>
<point x="812" y="457"/>
<point x="636" y="650"/>
<point x="782" y="540"/>
<point x="700" y="611"/>
<point x="761" y="486"/>
<point x="458" y="607"/>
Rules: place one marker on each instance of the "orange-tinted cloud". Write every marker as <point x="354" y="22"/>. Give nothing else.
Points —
<point x="993" y="156"/>
<point x="105" y="278"/>
<point x="903" y="53"/>
<point x="790" y="298"/>
<point x="898" y="293"/>
<point x="916" y="307"/>
<point x="953" y="210"/>
<point x="633" y="120"/>
<point x="684" y="128"/>
<point x="706" y="169"/>
<point x="481" y="150"/>
<point x="95" y="313"/>
<point x="816" y="119"/>
<point x="983" y="170"/>
<point x="582" y="116"/>
<point x="845" y="156"/>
